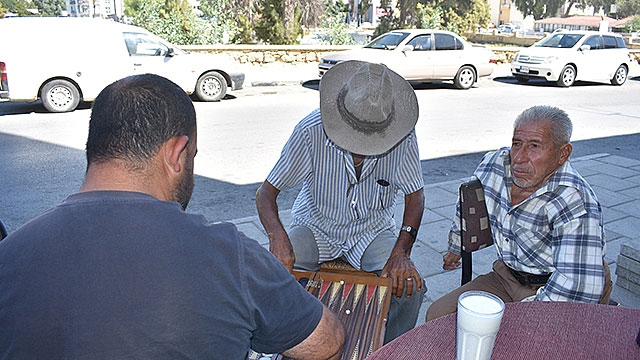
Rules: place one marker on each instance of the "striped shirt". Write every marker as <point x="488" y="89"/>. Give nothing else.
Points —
<point x="558" y="229"/>
<point x="344" y="214"/>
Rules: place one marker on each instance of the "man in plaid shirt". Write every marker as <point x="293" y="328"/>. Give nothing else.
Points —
<point x="545" y="220"/>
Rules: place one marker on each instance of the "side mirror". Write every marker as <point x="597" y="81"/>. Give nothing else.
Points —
<point x="585" y="47"/>
<point x="171" y="52"/>
<point x="407" y="48"/>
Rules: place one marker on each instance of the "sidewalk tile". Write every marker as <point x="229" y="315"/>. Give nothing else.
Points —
<point x="632" y="192"/>
<point x="610" y="198"/>
<point x="609" y="182"/>
<point x="620" y="161"/>
<point x="447" y="212"/>
<point x="427" y="261"/>
<point x="613" y="248"/>
<point x="617" y="171"/>
<point x="610" y="235"/>
<point x="437" y="197"/>
<point x="628" y="227"/>
<point x="612" y="215"/>
<point x="435" y="234"/>
<point x="634" y="179"/>
<point x="252" y="231"/>
<point x="430" y="216"/>
<point x="632" y="208"/>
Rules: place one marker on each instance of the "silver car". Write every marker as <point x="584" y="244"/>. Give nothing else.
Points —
<point x="422" y="55"/>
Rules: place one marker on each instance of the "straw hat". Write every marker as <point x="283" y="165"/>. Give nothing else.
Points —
<point x="366" y="108"/>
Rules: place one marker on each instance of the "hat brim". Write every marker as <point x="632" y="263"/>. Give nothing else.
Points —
<point x="344" y="135"/>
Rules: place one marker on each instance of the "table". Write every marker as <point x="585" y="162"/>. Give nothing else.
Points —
<point x="532" y="331"/>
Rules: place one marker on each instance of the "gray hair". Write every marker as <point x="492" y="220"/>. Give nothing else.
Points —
<point x="561" y="126"/>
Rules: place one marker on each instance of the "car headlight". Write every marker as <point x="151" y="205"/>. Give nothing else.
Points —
<point x="551" y="59"/>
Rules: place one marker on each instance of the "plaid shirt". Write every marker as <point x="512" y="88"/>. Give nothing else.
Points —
<point x="558" y="229"/>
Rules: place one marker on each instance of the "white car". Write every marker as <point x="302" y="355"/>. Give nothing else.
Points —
<point x="89" y="54"/>
<point x="422" y="55"/>
<point x="569" y="56"/>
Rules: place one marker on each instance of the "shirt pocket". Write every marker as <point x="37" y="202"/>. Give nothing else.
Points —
<point x="383" y="195"/>
<point x="532" y="245"/>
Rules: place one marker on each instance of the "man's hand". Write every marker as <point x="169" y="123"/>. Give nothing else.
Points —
<point x="451" y="261"/>
<point x="280" y="247"/>
<point x="401" y="270"/>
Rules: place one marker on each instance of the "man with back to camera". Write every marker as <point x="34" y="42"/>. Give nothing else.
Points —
<point x="352" y="156"/>
<point x="119" y="270"/>
<point x="545" y="220"/>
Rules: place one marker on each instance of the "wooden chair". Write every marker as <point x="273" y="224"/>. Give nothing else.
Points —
<point x="3" y="231"/>
<point x="475" y="232"/>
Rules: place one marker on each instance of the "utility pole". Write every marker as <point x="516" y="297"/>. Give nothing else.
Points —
<point x="356" y="4"/>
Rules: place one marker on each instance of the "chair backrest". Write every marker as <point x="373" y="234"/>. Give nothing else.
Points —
<point x="475" y="232"/>
<point x="3" y="231"/>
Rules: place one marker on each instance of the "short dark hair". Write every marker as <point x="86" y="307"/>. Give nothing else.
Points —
<point x="134" y="116"/>
<point x="561" y="127"/>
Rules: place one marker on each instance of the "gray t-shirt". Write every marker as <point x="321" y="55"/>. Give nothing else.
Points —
<point x="110" y="274"/>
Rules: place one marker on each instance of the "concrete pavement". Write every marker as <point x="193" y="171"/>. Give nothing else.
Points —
<point x="615" y="179"/>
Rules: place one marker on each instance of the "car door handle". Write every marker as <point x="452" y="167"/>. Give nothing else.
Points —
<point x="137" y="64"/>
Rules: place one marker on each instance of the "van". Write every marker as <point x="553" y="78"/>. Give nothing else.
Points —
<point x="63" y="61"/>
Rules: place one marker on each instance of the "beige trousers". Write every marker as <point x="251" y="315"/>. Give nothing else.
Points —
<point x="501" y="283"/>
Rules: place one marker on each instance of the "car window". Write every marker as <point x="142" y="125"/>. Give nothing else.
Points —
<point x="459" y="45"/>
<point x="620" y="42"/>
<point x="421" y="42"/>
<point x="445" y="42"/>
<point x="609" y="42"/>
<point x="594" y="42"/>
<point x="387" y="41"/>
<point x="139" y="44"/>
<point x="560" y="40"/>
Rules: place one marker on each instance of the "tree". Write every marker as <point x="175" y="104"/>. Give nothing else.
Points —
<point x="16" y="6"/>
<point x="275" y="25"/>
<point x="175" y="21"/>
<point x="50" y="7"/>
<point x="549" y="8"/>
<point x="334" y="24"/>
<point x="628" y="8"/>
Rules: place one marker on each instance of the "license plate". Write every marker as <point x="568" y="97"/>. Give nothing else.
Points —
<point x="524" y="69"/>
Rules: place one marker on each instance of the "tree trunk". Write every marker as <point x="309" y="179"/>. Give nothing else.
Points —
<point x="566" y="13"/>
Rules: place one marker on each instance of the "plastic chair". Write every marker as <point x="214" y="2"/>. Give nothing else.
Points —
<point x="475" y="232"/>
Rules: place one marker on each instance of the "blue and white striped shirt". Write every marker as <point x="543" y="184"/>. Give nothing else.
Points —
<point x="558" y="229"/>
<point x="344" y="214"/>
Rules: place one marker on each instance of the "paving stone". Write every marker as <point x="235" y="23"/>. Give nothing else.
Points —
<point x="437" y="235"/>
<point x="628" y="275"/>
<point x="587" y="171"/>
<point x="628" y="264"/>
<point x="581" y="165"/>
<point x="437" y="197"/>
<point x="626" y="284"/>
<point x="426" y="259"/>
<point x="631" y="251"/>
<point x="628" y="227"/>
<point x="633" y="192"/>
<point x="609" y="182"/>
<point x="252" y="231"/>
<point x="617" y="171"/>
<point x="632" y="208"/>
<point x="634" y="179"/>
<point x="610" y="198"/>
<point x="612" y="215"/>
<point x="613" y="249"/>
<point x="610" y="235"/>
<point x="620" y="161"/>
<point x="447" y="212"/>
<point x="452" y="186"/>
<point x="483" y="260"/>
<point x="430" y="216"/>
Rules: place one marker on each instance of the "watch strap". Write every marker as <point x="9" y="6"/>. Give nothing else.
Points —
<point x="411" y="230"/>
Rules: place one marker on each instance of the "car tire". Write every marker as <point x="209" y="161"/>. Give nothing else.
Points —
<point x="567" y="76"/>
<point x="59" y="96"/>
<point x="521" y="79"/>
<point x="620" y="77"/>
<point x="465" y="78"/>
<point x="211" y="86"/>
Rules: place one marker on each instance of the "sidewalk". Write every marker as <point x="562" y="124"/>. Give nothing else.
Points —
<point x="615" y="179"/>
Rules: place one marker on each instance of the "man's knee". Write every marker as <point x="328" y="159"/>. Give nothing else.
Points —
<point x="305" y="248"/>
<point x="445" y="305"/>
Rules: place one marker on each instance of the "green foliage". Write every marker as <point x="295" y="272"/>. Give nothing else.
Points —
<point x="334" y="25"/>
<point x="49" y="7"/>
<point x="2" y="11"/>
<point x="132" y="7"/>
<point x="16" y="6"/>
<point x="628" y="8"/>
<point x="633" y="25"/>
<point x="243" y="33"/>
<point x="175" y="21"/>
<point x="456" y="16"/>
<point x="270" y="26"/>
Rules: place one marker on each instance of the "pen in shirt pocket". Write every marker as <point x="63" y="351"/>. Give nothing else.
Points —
<point x="383" y="183"/>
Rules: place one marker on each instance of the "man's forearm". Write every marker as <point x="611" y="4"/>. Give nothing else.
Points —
<point x="267" y="206"/>
<point x="413" y="209"/>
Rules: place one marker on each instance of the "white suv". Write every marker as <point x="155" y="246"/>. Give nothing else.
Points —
<point x="567" y="56"/>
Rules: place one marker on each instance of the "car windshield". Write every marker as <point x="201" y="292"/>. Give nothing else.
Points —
<point x="387" y="41"/>
<point x="560" y="40"/>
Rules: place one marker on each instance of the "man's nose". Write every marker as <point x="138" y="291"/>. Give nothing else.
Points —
<point x="519" y="155"/>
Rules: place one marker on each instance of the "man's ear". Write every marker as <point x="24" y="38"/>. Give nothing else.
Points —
<point x="173" y="150"/>
<point x="565" y="152"/>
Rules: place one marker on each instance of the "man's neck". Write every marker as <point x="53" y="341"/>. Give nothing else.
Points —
<point x="114" y="176"/>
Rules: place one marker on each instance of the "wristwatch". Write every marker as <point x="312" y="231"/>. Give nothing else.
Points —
<point x="411" y="230"/>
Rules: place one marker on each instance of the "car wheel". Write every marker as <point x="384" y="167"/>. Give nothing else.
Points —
<point x="620" y="76"/>
<point x="567" y="76"/>
<point x="465" y="78"/>
<point x="59" y="96"/>
<point x="211" y="86"/>
<point x="521" y="79"/>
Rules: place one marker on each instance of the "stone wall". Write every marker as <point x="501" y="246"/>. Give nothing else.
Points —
<point x="296" y="54"/>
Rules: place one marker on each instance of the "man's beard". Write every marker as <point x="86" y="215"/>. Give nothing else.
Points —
<point x="184" y="188"/>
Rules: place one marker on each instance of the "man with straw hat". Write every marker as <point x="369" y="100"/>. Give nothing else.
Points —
<point x="352" y="156"/>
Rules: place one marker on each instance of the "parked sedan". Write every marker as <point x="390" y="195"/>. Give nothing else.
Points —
<point x="568" y="56"/>
<point x="422" y="55"/>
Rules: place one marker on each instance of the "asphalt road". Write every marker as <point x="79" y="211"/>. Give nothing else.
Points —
<point x="240" y="138"/>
